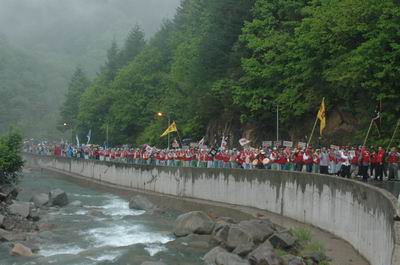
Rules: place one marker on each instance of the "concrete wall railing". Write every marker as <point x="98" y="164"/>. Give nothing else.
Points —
<point x="365" y="216"/>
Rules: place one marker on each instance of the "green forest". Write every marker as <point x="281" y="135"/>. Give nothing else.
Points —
<point x="223" y="67"/>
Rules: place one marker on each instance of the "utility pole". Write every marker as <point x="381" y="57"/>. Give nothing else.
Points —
<point x="107" y="134"/>
<point x="277" y="123"/>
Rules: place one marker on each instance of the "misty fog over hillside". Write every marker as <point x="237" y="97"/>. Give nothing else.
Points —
<point x="43" y="41"/>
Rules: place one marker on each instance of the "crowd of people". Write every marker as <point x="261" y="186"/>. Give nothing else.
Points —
<point x="348" y="162"/>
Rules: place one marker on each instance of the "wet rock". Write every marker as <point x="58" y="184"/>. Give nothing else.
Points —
<point x="244" y="249"/>
<point x="264" y="254"/>
<point x="58" y="197"/>
<point x="153" y="263"/>
<point x="8" y="192"/>
<point x="292" y="260"/>
<point x="282" y="240"/>
<point x="140" y="202"/>
<point x="76" y="204"/>
<point x="32" y="245"/>
<point x="40" y="199"/>
<point x="5" y="235"/>
<point x="35" y="214"/>
<point x="219" y="256"/>
<point x="255" y="231"/>
<point x="21" y="208"/>
<point x="21" y="250"/>
<point x="193" y="222"/>
<point x="1" y="219"/>
<point x="194" y="242"/>
<point x="17" y="222"/>
<point x="221" y="232"/>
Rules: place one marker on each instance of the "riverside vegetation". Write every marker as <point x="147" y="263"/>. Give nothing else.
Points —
<point x="222" y="68"/>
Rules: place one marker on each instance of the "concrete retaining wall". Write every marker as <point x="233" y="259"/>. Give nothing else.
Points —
<point x="363" y="215"/>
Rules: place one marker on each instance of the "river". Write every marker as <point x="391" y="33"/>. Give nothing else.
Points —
<point x="103" y="231"/>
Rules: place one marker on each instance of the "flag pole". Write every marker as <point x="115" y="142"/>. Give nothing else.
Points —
<point x="312" y="132"/>
<point x="315" y="125"/>
<point x="394" y="134"/>
<point x="369" y="129"/>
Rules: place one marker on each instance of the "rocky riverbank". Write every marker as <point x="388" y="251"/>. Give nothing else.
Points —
<point x="249" y="242"/>
<point x="22" y="227"/>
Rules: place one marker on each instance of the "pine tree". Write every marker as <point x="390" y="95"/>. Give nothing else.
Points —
<point x="70" y="109"/>
<point x="134" y="44"/>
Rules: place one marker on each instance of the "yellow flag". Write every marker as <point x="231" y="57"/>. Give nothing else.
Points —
<point x="170" y="129"/>
<point x="322" y="116"/>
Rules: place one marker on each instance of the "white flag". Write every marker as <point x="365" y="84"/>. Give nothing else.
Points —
<point x="244" y="142"/>
<point x="224" y="143"/>
<point x="77" y="140"/>
<point x="89" y="135"/>
<point x="201" y="143"/>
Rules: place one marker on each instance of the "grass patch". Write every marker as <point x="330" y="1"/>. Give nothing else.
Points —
<point x="303" y="235"/>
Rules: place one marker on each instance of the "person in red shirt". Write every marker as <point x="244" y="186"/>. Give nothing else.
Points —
<point x="365" y="159"/>
<point x="393" y="161"/>
<point x="379" y="160"/>
<point x="298" y="159"/>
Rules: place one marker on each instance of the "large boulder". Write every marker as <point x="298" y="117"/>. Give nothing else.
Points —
<point x="255" y="231"/>
<point x="244" y="249"/>
<point x="282" y="240"/>
<point x="21" y="208"/>
<point x="264" y="254"/>
<point x="40" y="199"/>
<point x="140" y="202"/>
<point x="58" y="197"/>
<point x="193" y="242"/>
<point x="219" y="256"/>
<point x="8" y="192"/>
<point x="21" y="250"/>
<point x="193" y="222"/>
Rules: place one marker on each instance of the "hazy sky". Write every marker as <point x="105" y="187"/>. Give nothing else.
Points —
<point x="33" y="22"/>
<point x="78" y="31"/>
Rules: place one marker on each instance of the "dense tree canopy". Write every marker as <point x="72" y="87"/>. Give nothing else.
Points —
<point x="224" y="67"/>
<point x="10" y="158"/>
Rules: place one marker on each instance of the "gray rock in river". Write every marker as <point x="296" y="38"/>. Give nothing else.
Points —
<point x="8" y="192"/>
<point x="140" y="202"/>
<point x="1" y="219"/>
<point x="58" y="197"/>
<point x="11" y="236"/>
<point x="40" y="199"/>
<point x="21" y="208"/>
<point x="153" y="263"/>
<point x="21" y="250"/>
<point x="219" y="256"/>
<point x="264" y="254"/>
<point x="193" y="222"/>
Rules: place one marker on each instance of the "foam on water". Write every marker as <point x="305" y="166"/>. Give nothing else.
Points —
<point x="125" y="235"/>
<point x="111" y="256"/>
<point x="59" y="249"/>
<point x="116" y="206"/>
<point x="153" y="249"/>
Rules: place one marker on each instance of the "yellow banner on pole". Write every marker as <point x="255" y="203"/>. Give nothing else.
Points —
<point x="322" y="117"/>
<point x="170" y="129"/>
